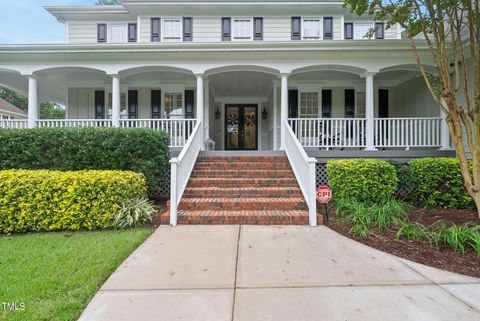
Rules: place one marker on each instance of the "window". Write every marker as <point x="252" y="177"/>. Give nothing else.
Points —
<point x="379" y="34"/>
<point x="349" y="30"/>
<point x="132" y="32"/>
<point x="173" y="105"/>
<point x="311" y="28"/>
<point x="242" y="29"/>
<point x="117" y="33"/>
<point x="102" y="32"/>
<point x="5" y="117"/>
<point x="123" y="106"/>
<point x="328" y="28"/>
<point x="155" y="29"/>
<point x="361" y="29"/>
<point x="308" y="104"/>
<point x="172" y="29"/>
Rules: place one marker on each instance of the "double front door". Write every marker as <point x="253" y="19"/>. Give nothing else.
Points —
<point x="241" y="127"/>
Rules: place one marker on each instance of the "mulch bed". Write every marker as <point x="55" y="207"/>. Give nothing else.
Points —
<point x="443" y="257"/>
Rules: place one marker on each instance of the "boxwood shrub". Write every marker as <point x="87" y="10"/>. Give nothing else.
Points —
<point x="70" y="149"/>
<point x="439" y="183"/>
<point x="365" y="180"/>
<point x="45" y="200"/>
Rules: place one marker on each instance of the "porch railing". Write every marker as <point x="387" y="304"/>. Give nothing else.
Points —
<point x="329" y="132"/>
<point x="304" y="169"/>
<point x="13" y="123"/>
<point x="408" y="132"/>
<point x="181" y="168"/>
<point x="55" y="123"/>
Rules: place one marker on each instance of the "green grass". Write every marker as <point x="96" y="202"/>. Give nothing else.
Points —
<point x="56" y="274"/>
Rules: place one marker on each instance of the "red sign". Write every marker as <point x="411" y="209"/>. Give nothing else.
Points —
<point x="324" y="194"/>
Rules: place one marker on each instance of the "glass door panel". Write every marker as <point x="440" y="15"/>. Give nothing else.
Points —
<point x="241" y="127"/>
<point x="232" y="127"/>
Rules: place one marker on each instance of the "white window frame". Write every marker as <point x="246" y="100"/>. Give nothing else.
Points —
<point x="320" y="28"/>
<point x="163" y="29"/>
<point x="235" y="36"/>
<point x="362" y="37"/>
<point x="164" y="105"/>
<point x="109" y="32"/>
<point x="300" y="106"/>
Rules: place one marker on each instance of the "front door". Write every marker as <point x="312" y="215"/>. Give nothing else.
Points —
<point x="241" y="127"/>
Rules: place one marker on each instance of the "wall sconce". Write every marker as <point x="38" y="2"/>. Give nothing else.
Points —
<point x="264" y="113"/>
<point x="217" y="113"/>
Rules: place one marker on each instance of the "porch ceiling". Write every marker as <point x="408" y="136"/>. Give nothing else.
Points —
<point x="241" y="83"/>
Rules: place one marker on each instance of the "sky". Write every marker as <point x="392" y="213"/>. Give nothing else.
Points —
<point x="27" y="22"/>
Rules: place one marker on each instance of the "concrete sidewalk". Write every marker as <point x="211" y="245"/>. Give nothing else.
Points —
<point x="291" y="273"/>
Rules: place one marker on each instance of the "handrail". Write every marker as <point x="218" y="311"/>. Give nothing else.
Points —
<point x="304" y="170"/>
<point x="181" y="169"/>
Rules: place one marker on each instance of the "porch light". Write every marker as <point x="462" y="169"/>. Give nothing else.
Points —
<point x="217" y="113"/>
<point x="264" y="113"/>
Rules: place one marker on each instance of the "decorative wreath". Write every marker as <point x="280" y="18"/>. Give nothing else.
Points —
<point x="250" y="120"/>
<point x="232" y="119"/>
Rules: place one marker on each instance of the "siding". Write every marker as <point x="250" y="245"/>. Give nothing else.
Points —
<point x="81" y="103"/>
<point x="207" y="29"/>
<point x="337" y="28"/>
<point x="82" y="32"/>
<point x="276" y="28"/>
<point x="145" y="29"/>
<point x="391" y="33"/>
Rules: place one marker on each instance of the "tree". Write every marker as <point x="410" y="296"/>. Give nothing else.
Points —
<point x="14" y="98"/>
<point x="107" y="2"/>
<point x="451" y="31"/>
<point x="49" y="110"/>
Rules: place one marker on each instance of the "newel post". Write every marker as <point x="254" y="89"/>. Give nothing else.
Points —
<point x="173" y="191"/>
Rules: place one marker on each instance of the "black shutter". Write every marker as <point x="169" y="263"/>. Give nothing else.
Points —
<point x="102" y="32"/>
<point x="349" y="103"/>
<point x="187" y="29"/>
<point x="292" y="103"/>
<point x="348" y="30"/>
<point x="132" y="32"/>
<point x="258" y="28"/>
<point x="156" y="103"/>
<point x="326" y="103"/>
<point x="226" y="29"/>
<point x="296" y="28"/>
<point x="379" y="34"/>
<point x="132" y="104"/>
<point x="155" y="29"/>
<point x="328" y="28"/>
<point x="189" y="102"/>
<point x="383" y="103"/>
<point x="99" y="104"/>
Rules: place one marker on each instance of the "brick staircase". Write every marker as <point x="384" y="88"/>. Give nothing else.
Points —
<point x="242" y="190"/>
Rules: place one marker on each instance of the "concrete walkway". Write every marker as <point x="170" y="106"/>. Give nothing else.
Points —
<point x="291" y="273"/>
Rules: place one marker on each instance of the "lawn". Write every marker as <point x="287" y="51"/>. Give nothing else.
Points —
<point x="55" y="275"/>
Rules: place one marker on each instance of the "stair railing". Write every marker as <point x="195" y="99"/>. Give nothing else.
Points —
<point x="181" y="169"/>
<point x="304" y="170"/>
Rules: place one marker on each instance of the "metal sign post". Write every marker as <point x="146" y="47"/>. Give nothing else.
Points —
<point x="324" y="195"/>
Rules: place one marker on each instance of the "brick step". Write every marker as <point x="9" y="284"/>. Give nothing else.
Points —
<point x="232" y="204"/>
<point x="233" y="192"/>
<point x="242" y="165"/>
<point x="250" y="159"/>
<point x="222" y="182"/>
<point x="241" y="217"/>
<point x="243" y="173"/>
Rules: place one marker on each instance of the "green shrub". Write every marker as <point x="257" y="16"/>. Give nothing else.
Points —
<point x="366" y="180"/>
<point x="406" y="180"/>
<point x="439" y="183"/>
<point x="44" y="200"/>
<point x="134" y="212"/>
<point x="70" y="149"/>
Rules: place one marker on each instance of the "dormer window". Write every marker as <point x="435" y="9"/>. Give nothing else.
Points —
<point x="172" y="29"/>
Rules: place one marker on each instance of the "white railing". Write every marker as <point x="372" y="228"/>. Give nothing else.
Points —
<point x="179" y="130"/>
<point x="329" y="132"/>
<point x="13" y="123"/>
<point x="408" y="132"/>
<point x="181" y="168"/>
<point x="56" y="123"/>
<point x="304" y="169"/>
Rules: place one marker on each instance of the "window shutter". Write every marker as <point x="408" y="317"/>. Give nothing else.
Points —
<point x="187" y="29"/>
<point x="379" y="34"/>
<point x="99" y="104"/>
<point x="102" y="32"/>
<point x="349" y="103"/>
<point x="326" y="103"/>
<point x="226" y="29"/>
<point x="132" y="32"/>
<point x="155" y="29"/>
<point x="349" y="30"/>
<point x="156" y="103"/>
<point x="132" y="104"/>
<point x="328" y="28"/>
<point x="189" y="103"/>
<point x="258" y="28"/>
<point x="296" y="25"/>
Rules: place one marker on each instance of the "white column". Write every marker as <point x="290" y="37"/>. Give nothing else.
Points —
<point x="275" y="106"/>
<point x="444" y="131"/>
<point x="200" y="103"/>
<point x="32" y="101"/>
<point x="206" y="113"/>
<point x="115" y="101"/>
<point x="283" y="109"/>
<point x="369" y="112"/>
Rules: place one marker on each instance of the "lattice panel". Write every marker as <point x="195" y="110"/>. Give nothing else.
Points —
<point x="164" y="191"/>
<point x="321" y="172"/>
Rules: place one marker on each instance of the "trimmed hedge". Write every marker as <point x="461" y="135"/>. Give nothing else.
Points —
<point x="44" y="200"/>
<point x="70" y="149"/>
<point x="365" y="180"/>
<point x="439" y="183"/>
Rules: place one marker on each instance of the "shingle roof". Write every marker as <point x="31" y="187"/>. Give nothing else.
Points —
<point x="6" y="106"/>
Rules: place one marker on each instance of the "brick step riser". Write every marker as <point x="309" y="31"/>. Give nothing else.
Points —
<point x="185" y="218"/>
<point x="200" y="182"/>
<point x="242" y="174"/>
<point x="243" y="159"/>
<point x="242" y="166"/>
<point x="249" y="194"/>
<point x="246" y="206"/>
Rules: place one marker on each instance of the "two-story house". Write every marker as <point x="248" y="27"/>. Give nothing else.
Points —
<point x="259" y="76"/>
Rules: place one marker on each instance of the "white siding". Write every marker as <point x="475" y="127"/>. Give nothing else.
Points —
<point x="207" y="29"/>
<point x="414" y="100"/>
<point x="81" y="103"/>
<point x="82" y="32"/>
<point x="391" y="33"/>
<point x="145" y="29"/>
<point x="337" y="29"/>
<point x="277" y="28"/>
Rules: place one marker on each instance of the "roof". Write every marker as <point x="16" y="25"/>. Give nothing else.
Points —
<point x="6" y="106"/>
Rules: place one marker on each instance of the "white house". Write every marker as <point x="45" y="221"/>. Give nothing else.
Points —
<point x="261" y="76"/>
<point x="10" y="111"/>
